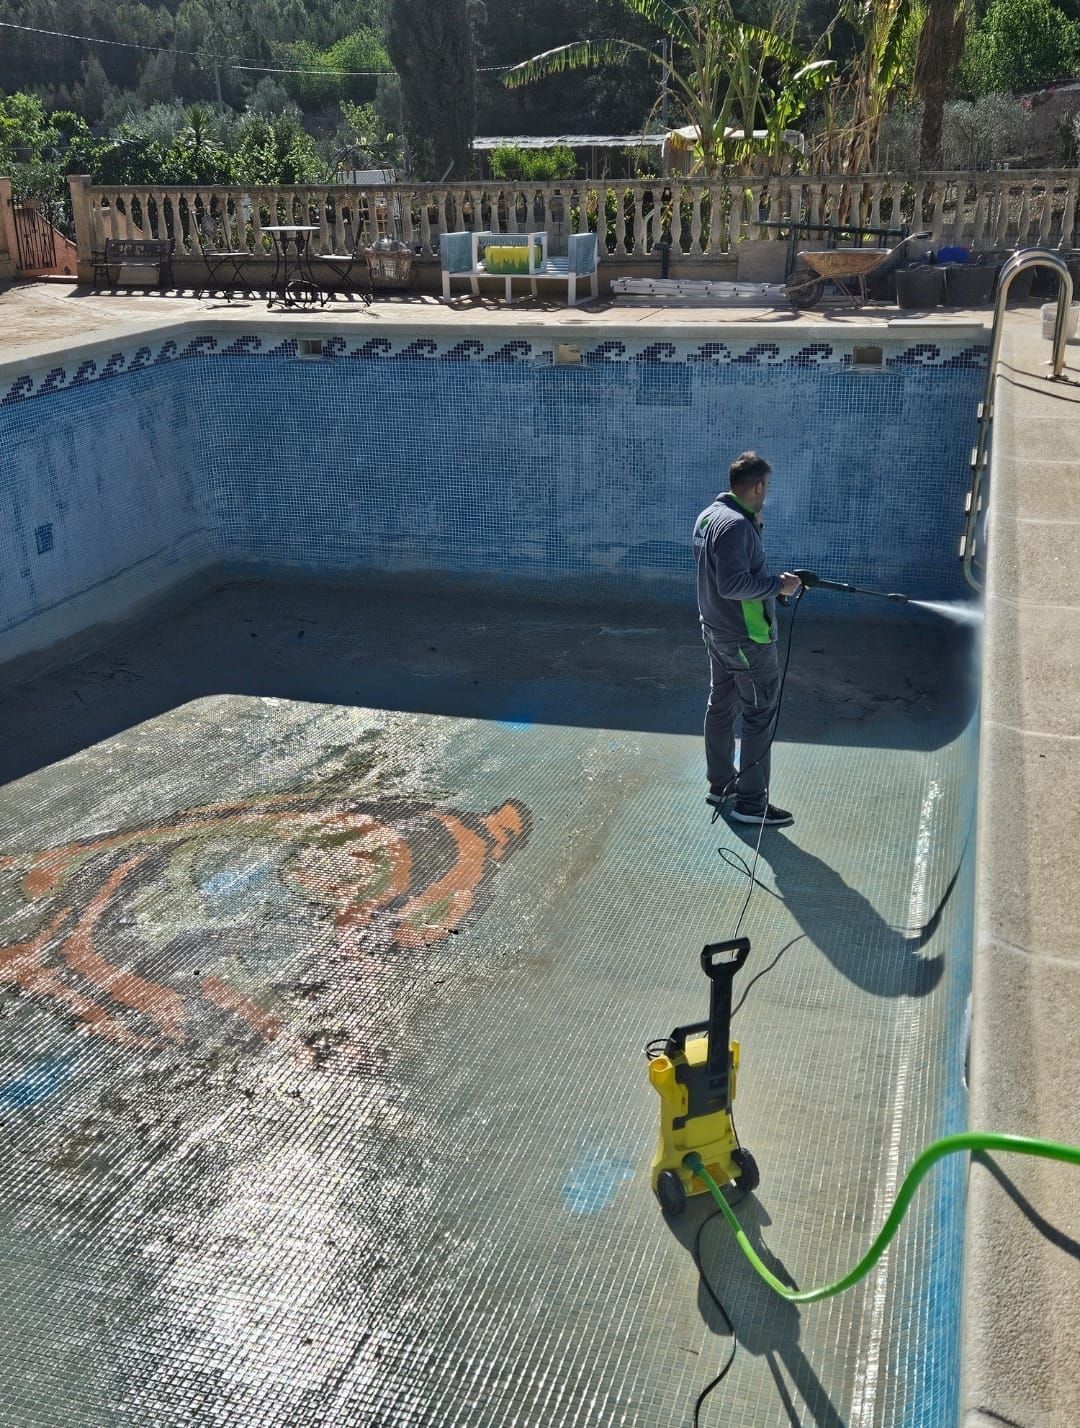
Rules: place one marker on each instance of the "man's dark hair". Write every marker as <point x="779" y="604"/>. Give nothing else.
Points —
<point x="747" y="470"/>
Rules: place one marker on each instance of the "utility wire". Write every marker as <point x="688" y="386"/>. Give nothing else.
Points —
<point x="237" y="64"/>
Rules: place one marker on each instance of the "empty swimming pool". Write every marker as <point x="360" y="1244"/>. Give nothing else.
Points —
<point x="342" y="884"/>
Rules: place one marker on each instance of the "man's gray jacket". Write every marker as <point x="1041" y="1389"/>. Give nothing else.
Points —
<point x="736" y="595"/>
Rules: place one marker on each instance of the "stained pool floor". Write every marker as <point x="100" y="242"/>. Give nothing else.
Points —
<point x="332" y="927"/>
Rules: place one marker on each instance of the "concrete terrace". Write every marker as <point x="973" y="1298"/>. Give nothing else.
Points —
<point x="1022" y="1302"/>
<point x="37" y="318"/>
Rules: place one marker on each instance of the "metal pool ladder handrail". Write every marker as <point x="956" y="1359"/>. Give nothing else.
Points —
<point x="1024" y="258"/>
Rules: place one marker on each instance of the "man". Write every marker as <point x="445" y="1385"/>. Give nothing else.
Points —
<point x="737" y="604"/>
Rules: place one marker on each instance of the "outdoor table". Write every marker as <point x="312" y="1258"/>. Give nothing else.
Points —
<point x="294" y="237"/>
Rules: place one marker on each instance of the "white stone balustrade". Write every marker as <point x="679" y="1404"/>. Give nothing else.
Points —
<point x="705" y="219"/>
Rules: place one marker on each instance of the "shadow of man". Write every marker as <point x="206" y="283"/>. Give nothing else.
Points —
<point x="765" y="1325"/>
<point x="873" y="955"/>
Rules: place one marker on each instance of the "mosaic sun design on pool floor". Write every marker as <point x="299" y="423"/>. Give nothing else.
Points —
<point x="380" y="877"/>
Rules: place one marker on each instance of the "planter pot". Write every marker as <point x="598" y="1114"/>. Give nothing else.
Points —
<point x="1021" y="285"/>
<point x="1045" y="282"/>
<point x="969" y="285"/>
<point x="920" y="287"/>
<point x="882" y="287"/>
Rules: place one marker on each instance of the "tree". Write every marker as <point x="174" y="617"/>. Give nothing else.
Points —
<point x="136" y="62"/>
<point x="431" y="47"/>
<point x="94" y="89"/>
<point x="363" y="140"/>
<point x="1021" y="44"/>
<point x="723" y="74"/>
<point x="941" y="43"/>
<point x="348" y="58"/>
<point x="278" y="151"/>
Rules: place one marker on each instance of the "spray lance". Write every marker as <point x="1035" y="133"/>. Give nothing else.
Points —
<point x="818" y="582"/>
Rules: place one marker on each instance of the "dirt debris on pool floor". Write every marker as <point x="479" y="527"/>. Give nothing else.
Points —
<point x="332" y="926"/>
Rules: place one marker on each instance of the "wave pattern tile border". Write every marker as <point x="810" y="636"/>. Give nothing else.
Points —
<point x="81" y="372"/>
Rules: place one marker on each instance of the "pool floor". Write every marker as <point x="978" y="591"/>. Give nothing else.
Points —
<point x="333" y="922"/>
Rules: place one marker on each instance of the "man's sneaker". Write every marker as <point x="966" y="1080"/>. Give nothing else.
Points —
<point x="773" y="818"/>
<point x="718" y="795"/>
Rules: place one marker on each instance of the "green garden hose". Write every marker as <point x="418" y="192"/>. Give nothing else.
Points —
<point x="948" y="1145"/>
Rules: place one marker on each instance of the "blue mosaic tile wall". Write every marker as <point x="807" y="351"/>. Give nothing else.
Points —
<point x="103" y="502"/>
<point x="473" y="456"/>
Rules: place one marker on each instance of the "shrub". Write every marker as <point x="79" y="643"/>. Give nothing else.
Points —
<point x="534" y="165"/>
<point x="975" y="134"/>
<point x="360" y="51"/>
<point x="1020" y="44"/>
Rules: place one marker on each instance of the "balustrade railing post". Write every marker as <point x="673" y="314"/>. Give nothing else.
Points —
<point x="1068" y="217"/>
<point x="638" y="247"/>
<point x="1024" y="217"/>
<point x="1047" y="217"/>
<point x="981" y="216"/>
<point x="676" y="218"/>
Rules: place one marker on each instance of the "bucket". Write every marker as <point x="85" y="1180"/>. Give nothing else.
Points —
<point x="1049" y="316"/>
<point x="920" y="286"/>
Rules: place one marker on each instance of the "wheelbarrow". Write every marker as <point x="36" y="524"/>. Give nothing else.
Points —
<point x="848" y="268"/>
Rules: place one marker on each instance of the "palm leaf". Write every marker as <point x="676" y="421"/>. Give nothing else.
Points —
<point x="663" y="15"/>
<point x="578" y="55"/>
<point x="770" y="45"/>
<point x="814" y="74"/>
<point x="892" y="42"/>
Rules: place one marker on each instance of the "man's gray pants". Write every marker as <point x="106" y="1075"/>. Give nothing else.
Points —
<point x="745" y="683"/>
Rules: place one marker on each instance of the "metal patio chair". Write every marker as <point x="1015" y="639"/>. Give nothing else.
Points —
<point x="346" y="265"/>
<point x="224" y="261"/>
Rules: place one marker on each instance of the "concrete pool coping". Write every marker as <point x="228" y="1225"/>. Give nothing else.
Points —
<point x="96" y="321"/>
<point x="1022" y="1309"/>
<point x="1022" y="1299"/>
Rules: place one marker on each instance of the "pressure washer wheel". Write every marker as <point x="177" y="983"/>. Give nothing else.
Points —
<point x="670" y="1193"/>
<point x="749" y="1174"/>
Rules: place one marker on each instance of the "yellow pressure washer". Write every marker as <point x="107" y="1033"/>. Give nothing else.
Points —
<point x="694" y="1071"/>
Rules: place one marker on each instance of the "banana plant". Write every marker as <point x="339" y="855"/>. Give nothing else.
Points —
<point x="722" y="74"/>
<point x="880" y="71"/>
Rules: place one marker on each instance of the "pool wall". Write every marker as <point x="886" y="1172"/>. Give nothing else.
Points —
<point x="103" y="502"/>
<point x="127" y="471"/>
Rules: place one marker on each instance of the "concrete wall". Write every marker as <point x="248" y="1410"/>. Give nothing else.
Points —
<point x="7" y="232"/>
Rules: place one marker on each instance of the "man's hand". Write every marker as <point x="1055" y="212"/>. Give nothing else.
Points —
<point x="789" y="583"/>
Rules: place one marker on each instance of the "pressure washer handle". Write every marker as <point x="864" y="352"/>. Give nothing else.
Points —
<point x="818" y="582"/>
<point x="713" y="968"/>
<point x="720" y="966"/>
